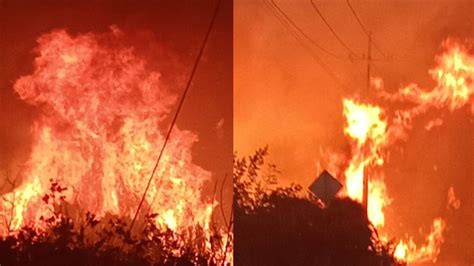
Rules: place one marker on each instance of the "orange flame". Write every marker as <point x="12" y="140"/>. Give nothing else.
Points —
<point x="408" y="251"/>
<point x="368" y="130"/>
<point x="371" y="135"/>
<point x="98" y="134"/>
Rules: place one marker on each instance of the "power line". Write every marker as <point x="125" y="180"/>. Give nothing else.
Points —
<point x="303" y="44"/>
<point x="277" y="13"/>
<point x="357" y="18"/>
<point x="286" y="24"/>
<point x="333" y="31"/>
<point x="364" y="28"/>
<point x="306" y="36"/>
<point x="173" y="122"/>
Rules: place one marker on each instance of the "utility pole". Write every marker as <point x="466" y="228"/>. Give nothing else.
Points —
<point x="367" y="95"/>
<point x="368" y="65"/>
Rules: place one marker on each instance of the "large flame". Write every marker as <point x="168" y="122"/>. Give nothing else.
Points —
<point x="98" y="133"/>
<point x="368" y="130"/>
<point x="371" y="133"/>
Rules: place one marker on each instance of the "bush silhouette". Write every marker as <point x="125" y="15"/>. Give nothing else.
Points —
<point x="104" y="241"/>
<point x="277" y="226"/>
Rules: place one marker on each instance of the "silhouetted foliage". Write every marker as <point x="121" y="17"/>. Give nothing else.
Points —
<point x="279" y="226"/>
<point x="104" y="241"/>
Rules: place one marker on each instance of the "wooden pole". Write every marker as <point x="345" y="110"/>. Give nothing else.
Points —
<point x="367" y="94"/>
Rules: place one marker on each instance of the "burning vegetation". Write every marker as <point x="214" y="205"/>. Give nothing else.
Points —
<point x="373" y="129"/>
<point x="97" y="135"/>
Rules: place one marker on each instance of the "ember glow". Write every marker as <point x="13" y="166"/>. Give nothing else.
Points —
<point x="453" y="202"/>
<point x="372" y="131"/>
<point x="98" y="133"/>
